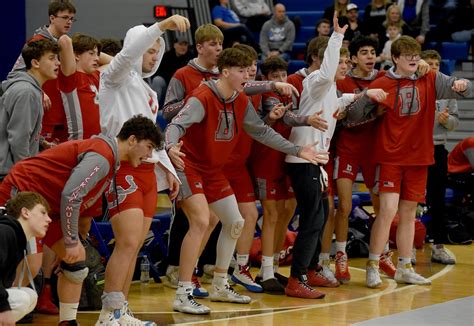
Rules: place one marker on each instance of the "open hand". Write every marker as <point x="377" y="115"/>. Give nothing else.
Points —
<point x="317" y="122"/>
<point x="286" y="89"/>
<point x="175" y="155"/>
<point x="308" y="153"/>
<point x="337" y="28"/>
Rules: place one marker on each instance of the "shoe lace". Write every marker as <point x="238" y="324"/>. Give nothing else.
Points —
<point x="341" y="260"/>
<point x="306" y="286"/>
<point x="195" y="282"/>
<point x="387" y="258"/>
<point x="230" y="290"/>
<point x="245" y="271"/>
<point x="193" y="302"/>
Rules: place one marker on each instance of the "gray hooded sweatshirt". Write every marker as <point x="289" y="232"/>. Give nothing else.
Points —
<point x="21" y="113"/>
<point x="277" y="35"/>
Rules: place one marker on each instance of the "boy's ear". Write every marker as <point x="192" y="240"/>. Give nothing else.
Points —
<point x="24" y="212"/>
<point x="225" y="72"/>
<point x="35" y="63"/>
<point x="132" y="140"/>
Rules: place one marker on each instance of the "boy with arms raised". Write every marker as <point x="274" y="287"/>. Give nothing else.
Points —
<point x="219" y="111"/>
<point x="403" y="152"/>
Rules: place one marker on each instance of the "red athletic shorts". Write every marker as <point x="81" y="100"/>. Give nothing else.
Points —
<point x="347" y="168"/>
<point x="241" y="183"/>
<point x="274" y="189"/>
<point x="408" y="181"/>
<point x="213" y="185"/>
<point x="136" y="188"/>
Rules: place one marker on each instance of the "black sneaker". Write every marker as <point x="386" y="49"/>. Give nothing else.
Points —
<point x="458" y="235"/>
<point x="69" y="323"/>
<point x="272" y="286"/>
<point x="282" y="279"/>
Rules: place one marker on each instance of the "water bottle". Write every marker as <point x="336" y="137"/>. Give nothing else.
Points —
<point x="145" y="270"/>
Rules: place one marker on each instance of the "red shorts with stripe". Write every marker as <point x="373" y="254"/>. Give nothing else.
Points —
<point x="329" y="168"/>
<point x="347" y="168"/>
<point x="408" y="181"/>
<point x="274" y="189"/>
<point x="241" y="183"/>
<point x="214" y="186"/>
<point x="135" y="188"/>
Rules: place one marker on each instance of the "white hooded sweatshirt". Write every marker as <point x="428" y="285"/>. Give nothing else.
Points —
<point x="123" y="93"/>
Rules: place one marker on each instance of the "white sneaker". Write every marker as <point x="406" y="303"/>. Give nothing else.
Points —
<point x="327" y="272"/>
<point x="243" y="277"/>
<point x="227" y="294"/>
<point x="372" y="276"/>
<point x="109" y="318"/>
<point x="408" y="275"/>
<point x="439" y="254"/>
<point x="172" y="276"/>
<point x="186" y="303"/>
<point x="127" y="318"/>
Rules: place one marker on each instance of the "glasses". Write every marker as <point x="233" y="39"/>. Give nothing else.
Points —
<point x="67" y="18"/>
<point x="410" y="57"/>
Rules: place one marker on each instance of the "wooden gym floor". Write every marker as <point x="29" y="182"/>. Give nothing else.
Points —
<point x="342" y="306"/>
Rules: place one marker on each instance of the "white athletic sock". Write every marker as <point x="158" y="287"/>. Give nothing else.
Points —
<point x="403" y="261"/>
<point x="322" y="257"/>
<point x="266" y="270"/>
<point x="219" y="280"/>
<point x="341" y="246"/>
<point x="373" y="256"/>
<point x="242" y="260"/>
<point x="276" y="262"/>
<point x="68" y="311"/>
<point x="184" y="288"/>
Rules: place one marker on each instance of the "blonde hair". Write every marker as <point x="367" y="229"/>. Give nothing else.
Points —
<point x="387" y="21"/>
<point x="208" y="32"/>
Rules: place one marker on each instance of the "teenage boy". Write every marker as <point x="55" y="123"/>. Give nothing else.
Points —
<point x="319" y="93"/>
<point x="61" y="17"/>
<point x="404" y="150"/>
<point x="353" y="151"/>
<point x="216" y="112"/>
<point x="78" y="82"/>
<point x="27" y="217"/>
<point x="22" y="103"/>
<point x="72" y="177"/>
<point x="446" y="119"/>
<point x="124" y="93"/>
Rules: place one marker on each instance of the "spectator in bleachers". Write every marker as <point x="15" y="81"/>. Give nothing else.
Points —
<point x="277" y="35"/>
<point x="253" y="12"/>
<point x="111" y="46"/>
<point x="394" y="17"/>
<point x="393" y="32"/>
<point x="175" y="58"/>
<point x="416" y="15"/>
<point x="234" y="31"/>
<point x="352" y="19"/>
<point x="323" y="27"/>
<point x="339" y="6"/>
<point x="374" y="16"/>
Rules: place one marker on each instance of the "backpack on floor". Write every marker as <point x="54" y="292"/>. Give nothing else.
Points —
<point x="93" y="285"/>
<point x="420" y="233"/>
<point x="286" y="254"/>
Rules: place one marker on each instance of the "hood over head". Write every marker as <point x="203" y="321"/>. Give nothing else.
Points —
<point x="137" y="66"/>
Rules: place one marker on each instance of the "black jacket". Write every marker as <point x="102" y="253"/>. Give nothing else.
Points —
<point x="12" y="246"/>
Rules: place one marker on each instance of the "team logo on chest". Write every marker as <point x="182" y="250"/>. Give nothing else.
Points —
<point x="225" y="126"/>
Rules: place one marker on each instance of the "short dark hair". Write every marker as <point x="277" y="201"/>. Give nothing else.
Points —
<point x="313" y="47"/>
<point x="35" y="49"/>
<point x="233" y="57"/>
<point x="111" y="46"/>
<point x="24" y="199"/>
<point x="323" y="21"/>
<point x="273" y="64"/>
<point x="56" y="6"/>
<point x="359" y="42"/>
<point x="83" y="43"/>
<point x="143" y="129"/>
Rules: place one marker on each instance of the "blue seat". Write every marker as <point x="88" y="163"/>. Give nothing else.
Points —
<point x="295" y="65"/>
<point x="305" y="34"/>
<point x="454" y="50"/>
<point x="308" y="18"/>
<point x="447" y="66"/>
<point x="364" y="196"/>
